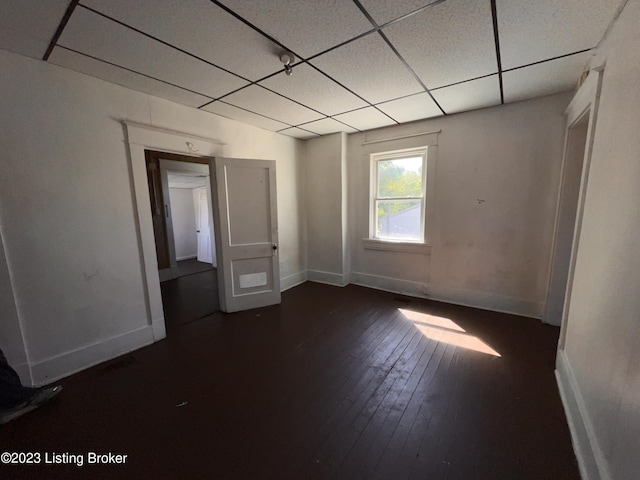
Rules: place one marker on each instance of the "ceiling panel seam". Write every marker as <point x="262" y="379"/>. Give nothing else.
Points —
<point x="299" y="128"/>
<point x="464" y="81"/>
<point x="345" y="123"/>
<point x="63" y="23"/>
<point x="349" y="90"/>
<point x="255" y="113"/>
<point x="410" y="14"/>
<point x="257" y="29"/>
<point x="375" y="29"/>
<point x="548" y="60"/>
<point x="494" y="17"/>
<point x="292" y="100"/>
<point x="330" y="118"/>
<point x="152" y="37"/>
<point x="411" y="70"/>
<point x="301" y="60"/>
<point x="397" y="53"/>
<point x="134" y="71"/>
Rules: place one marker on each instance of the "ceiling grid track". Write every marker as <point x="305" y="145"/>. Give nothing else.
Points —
<point x="255" y="113"/>
<point x="302" y="60"/>
<point x="134" y="71"/>
<point x="338" y="85"/>
<point x="181" y="50"/>
<point x="494" y="16"/>
<point x="549" y="59"/>
<point x="395" y="50"/>
<point x="63" y="23"/>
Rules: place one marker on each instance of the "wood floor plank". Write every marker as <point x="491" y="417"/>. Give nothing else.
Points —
<point x="334" y="383"/>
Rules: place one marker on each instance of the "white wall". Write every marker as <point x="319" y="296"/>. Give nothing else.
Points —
<point x="11" y="340"/>
<point x="184" y="222"/>
<point x="68" y="214"/>
<point x="602" y="352"/>
<point x="496" y="188"/>
<point x="326" y="208"/>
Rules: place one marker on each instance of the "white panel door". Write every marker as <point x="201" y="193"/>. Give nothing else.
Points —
<point x="202" y="226"/>
<point x="246" y="232"/>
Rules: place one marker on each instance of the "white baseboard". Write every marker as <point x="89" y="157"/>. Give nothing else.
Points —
<point x="187" y="257"/>
<point x="388" y="284"/>
<point x="466" y="298"/>
<point x="159" y="329"/>
<point x="23" y="371"/>
<point x="328" y="278"/>
<point x="591" y="461"/>
<point x="292" y="280"/>
<point x="486" y="301"/>
<point x="71" y="362"/>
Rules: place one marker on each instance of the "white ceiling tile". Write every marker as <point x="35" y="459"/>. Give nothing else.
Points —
<point x="414" y="107"/>
<point x="264" y="102"/>
<point x="365" y="119"/>
<point x="119" y="76"/>
<point x="235" y="113"/>
<point x="311" y="88"/>
<point x="253" y="57"/>
<point x="305" y="26"/>
<point x="369" y="68"/>
<point x="533" y="31"/>
<point x="383" y="12"/>
<point x="448" y="43"/>
<point x="480" y="93"/>
<point x="99" y="37"/>
<point x="27" y="26"/>
<point x="326" y="126"/>
<point x="554" y="76"/>
<point x="297" y="133"/>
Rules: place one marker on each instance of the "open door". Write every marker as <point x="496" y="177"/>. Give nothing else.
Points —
<point x="202" y="226"/>
<point x="246" y="232"/>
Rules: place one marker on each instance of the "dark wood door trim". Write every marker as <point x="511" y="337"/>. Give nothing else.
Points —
<point x="158" y="205"/>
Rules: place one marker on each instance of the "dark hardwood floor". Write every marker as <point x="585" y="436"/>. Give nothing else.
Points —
<point x="333" y="383"/>
<point x="190" y="297"/>
<point x="192" y="265"/>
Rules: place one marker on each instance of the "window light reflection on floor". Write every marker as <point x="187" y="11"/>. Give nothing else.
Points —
<point x="445" y="330"/>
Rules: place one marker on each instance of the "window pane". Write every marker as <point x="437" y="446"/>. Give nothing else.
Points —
<point x="400" y="178"/>
<point x="398" y="219"/>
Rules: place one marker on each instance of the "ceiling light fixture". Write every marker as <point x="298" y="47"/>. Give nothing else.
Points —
<point x="287" y="58"/>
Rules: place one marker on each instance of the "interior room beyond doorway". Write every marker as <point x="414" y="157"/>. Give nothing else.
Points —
<point x="180" y="194"/>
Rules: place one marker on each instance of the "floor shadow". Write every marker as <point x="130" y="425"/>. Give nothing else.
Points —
<point x="190" y="297"/>
<point x="191" y="266"/>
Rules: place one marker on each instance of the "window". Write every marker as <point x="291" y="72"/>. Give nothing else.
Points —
<point x="398" y="195"/>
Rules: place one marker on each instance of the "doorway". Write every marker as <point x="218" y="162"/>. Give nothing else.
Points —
<point x="180" y="199"/>
<point x="581" y="115"/>
<point x="245" y="220"/>
<point x="567" y="211"/>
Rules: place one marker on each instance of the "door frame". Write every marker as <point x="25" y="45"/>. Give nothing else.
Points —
<point x="140" y="137"/>
<point x="161" y="202"/>
<point x="585" y="102"/>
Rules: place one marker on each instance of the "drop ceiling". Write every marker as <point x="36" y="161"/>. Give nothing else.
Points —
<point x="360" y="64"/>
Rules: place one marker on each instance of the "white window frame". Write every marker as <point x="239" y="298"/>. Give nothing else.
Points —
<point x="379" y="243"/>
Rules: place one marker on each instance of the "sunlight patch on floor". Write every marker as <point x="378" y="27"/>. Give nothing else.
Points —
<point x="445" y="330"/>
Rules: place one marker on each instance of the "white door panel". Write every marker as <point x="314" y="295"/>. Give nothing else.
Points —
<point x="246" y="232"/>
<point x="202" y="226"/>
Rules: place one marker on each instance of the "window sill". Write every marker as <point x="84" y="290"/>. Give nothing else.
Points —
<point x="391" y="246"/>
